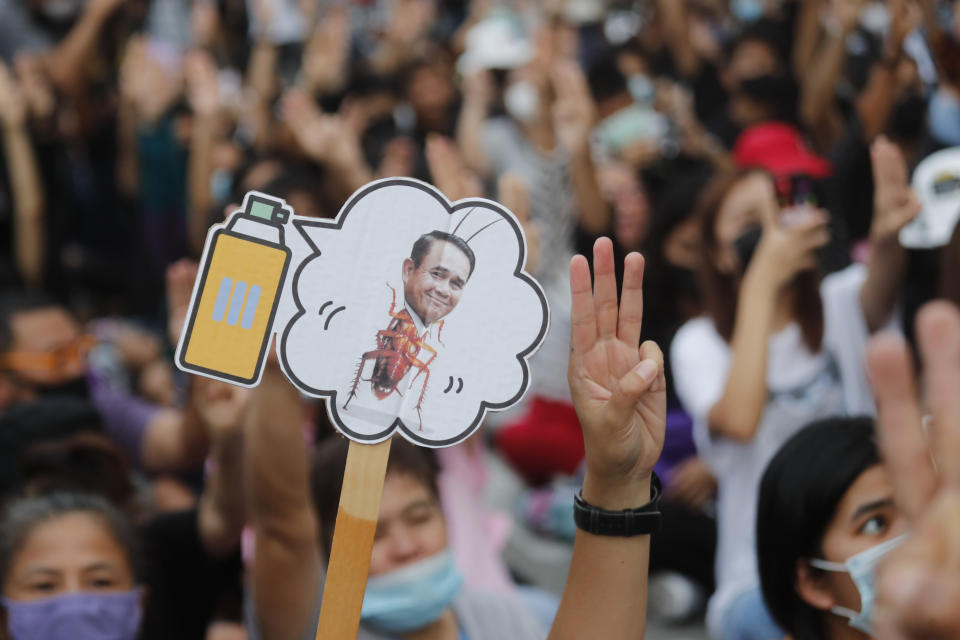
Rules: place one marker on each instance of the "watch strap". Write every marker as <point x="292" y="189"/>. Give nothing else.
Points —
<point x="628" y="522"/>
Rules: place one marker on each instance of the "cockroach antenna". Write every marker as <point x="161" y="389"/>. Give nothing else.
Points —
<point x="481" y="229"/>
<point x="465" y="216"/>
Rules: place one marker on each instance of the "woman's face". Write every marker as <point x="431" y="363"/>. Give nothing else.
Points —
<point x="631" y="208"/>
<point x="70" y="553"/>
<point x="865" y="517"/>
<point x="753" y="200"/>
<point x="410" y="526"/>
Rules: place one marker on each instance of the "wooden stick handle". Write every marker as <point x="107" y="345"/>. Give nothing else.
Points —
<point x="353" y="541"/>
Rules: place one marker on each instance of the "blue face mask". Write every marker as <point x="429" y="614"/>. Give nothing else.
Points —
<point x="641" y="88"/>
<point x="944" y="120"/>
<point x="411" y="597"/>
<point x="862" y="568"/>
<point x="76" y="616"/>
<point x="747" y="10"/>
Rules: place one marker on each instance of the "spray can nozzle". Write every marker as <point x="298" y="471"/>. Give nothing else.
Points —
<point x="265" y="210"/>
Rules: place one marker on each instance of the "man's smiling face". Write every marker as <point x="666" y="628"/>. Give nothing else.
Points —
<point x="433" y="288"/>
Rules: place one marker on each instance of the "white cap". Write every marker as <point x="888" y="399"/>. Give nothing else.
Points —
<point x="496" y="42"/>
<point x="936" y="180"/>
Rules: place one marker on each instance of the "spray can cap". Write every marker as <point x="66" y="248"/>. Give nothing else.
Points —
<point x="265" y="209"/>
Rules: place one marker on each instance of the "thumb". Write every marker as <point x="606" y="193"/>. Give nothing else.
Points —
<point x="630" y="389"/>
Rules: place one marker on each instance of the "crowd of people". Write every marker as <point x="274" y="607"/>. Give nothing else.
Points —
<point x="777" y="378"/>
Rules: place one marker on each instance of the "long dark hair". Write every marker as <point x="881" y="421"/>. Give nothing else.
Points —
<point x="799" y="493"/>
<point x="720" y="290"/>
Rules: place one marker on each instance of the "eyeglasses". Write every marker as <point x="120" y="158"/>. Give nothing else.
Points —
<point x="51" y="363"/>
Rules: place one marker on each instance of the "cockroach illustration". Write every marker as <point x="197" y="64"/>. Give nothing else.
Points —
<point x="398" y="350"/>
<point x="439" y="266"/>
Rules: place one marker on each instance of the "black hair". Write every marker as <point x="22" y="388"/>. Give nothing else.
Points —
<point x="605" y="78"/>
<point x="764" y="31"/>
<point x="48" y="419"/>
<point x="326" y="476"/>
<point x="422" y="247"/>
<point x="799" y="493"/>
<point x="14" y="302"/>
<point x="296" y="177"/>
<point x="22" y="515"/>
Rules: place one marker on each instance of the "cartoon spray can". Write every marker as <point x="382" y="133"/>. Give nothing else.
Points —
<point x="231" y="314"/>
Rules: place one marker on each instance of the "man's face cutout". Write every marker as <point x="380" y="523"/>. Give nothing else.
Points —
<point x="433" y="289"/>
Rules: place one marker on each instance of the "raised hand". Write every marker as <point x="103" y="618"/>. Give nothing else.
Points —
<point x="905" y="16"/>
<point x="222" y="407"/>
<point x="573" y="111"/>
<point x="618" y="388"/>
<point x="150" y="85"/>
<point x="331" y="140"/>
<point x="785" y="251"/>
<point x="203" y="88"/>
<point x="894" y="201"/>
<point x="13" y="105"/>
<point x="180" y="278"/>
<point x="448" y="170"/>
<point x="326" y="54"/>
<point x="513" y="193"/>
<point x="918" y="585"/>
<point x="35" y="85"/>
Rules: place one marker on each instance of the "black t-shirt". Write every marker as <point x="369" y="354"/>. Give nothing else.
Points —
<point x="187" y="587"/>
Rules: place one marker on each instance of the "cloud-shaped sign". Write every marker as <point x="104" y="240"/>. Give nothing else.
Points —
<point x="413" y="314"/>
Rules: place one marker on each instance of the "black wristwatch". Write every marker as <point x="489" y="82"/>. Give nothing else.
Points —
<point x="629" y="522"/>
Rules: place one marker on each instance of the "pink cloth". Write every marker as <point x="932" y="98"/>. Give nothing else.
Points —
<point x="476" y="534"/>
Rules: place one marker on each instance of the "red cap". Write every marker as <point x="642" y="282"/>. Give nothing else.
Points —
<point x="779" y="148"/>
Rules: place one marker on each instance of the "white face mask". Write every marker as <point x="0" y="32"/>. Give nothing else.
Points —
<point x="522" y="101"/>
<point x="875" y="18"/>
<point x="861" y="567"/>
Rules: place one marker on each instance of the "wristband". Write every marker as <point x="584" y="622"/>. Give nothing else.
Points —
<point x="629" y="522"/>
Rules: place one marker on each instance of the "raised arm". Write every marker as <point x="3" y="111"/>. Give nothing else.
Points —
<point x="66" y="63"/>
<point x="780" y="256"/>
<point x="286" y="574"/>
<point x="28" y="202"/>
<point x="203" y="93"/>
<point x="477" y="94"/>
<point x="221" y="512"/>
<point x="875" y="102"/>
<point x="817" y="108"/>
<point x="894" y="205"/>
<point x="619" y="392"/>
<point x="677" y="28"/>
<point x="574" y="115"/>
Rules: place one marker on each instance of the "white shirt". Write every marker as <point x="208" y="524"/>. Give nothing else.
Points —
<point x="802" y="387"/>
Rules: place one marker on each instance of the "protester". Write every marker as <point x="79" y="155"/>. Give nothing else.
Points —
<point x="127" y="129"/>
<point x="70" y="569"/>
<point x="825" y="518"/>
<point x="782" y="349"/>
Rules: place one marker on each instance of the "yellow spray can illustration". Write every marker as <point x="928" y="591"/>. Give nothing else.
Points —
<point x="228" y="328"/>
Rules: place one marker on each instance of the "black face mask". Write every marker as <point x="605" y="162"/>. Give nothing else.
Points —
<point x="909" y="117"/>
<point x="681" y="282"/>
<point x="76" y="388"/>
<point x="769" y="89"/>
<point x="746" y="244"/>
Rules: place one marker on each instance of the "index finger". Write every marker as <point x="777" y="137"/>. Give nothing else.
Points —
<point x="583" y="317"/>
<point x="906" y="454"/>
<point x="938" y="333"/>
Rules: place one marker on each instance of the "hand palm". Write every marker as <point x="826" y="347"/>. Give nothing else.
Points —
<point x="621" y="406"/>
<point x="640" y="440"/>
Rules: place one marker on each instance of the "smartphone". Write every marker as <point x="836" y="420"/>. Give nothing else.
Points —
<point x="746" y="244"/>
